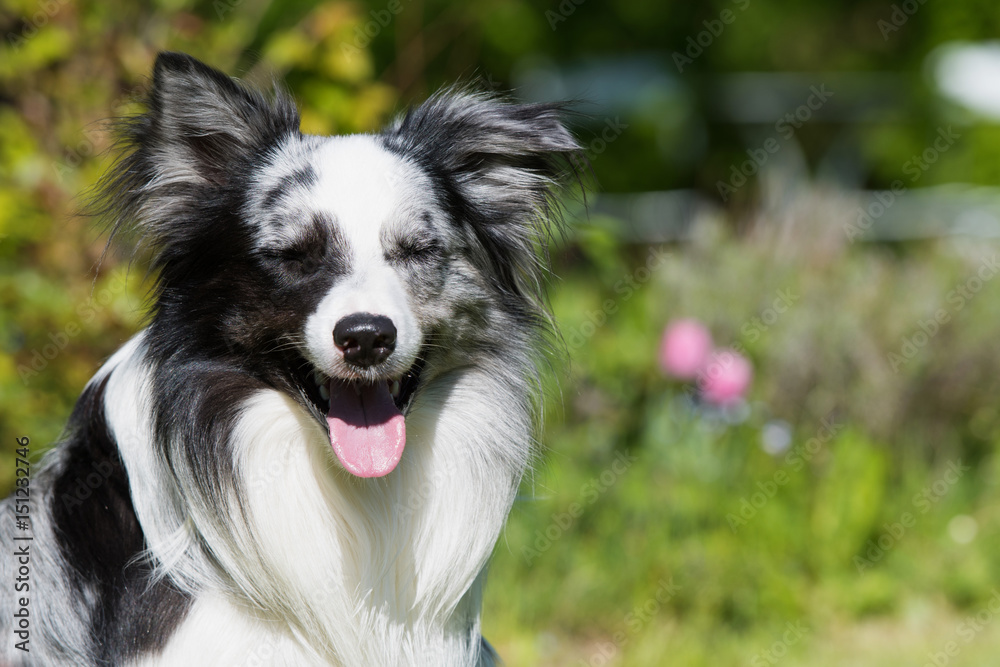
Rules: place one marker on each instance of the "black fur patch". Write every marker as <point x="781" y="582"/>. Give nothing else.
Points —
<point x="99" y="536"/>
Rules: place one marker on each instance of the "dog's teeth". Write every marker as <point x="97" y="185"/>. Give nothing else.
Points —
<point x="324" y="392"/>
<point x="394" y="389"/>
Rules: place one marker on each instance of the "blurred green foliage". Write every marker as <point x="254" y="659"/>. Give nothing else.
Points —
<point x="564" y="590"/>
<point x="757" y="540"/>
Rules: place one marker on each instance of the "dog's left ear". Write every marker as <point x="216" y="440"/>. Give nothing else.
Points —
<point x="498" y="162"/>
<point x="201" y="122"/>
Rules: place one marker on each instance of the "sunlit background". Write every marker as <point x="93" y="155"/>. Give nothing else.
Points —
<point x="774" y="436"/>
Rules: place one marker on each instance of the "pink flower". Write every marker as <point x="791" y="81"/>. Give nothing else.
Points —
<point x="685" y="348"/>
<point x="726" y="377"/>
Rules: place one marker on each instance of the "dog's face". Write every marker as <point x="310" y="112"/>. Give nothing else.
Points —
<point x="354" y="254"/>
<point x="365" y="227"/>
<point x="338" y="268"/>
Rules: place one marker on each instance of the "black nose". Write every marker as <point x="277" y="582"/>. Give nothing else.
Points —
<point x="365" y="339"/>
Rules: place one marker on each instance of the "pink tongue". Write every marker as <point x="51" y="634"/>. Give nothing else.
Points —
<point x="367" y="431"/>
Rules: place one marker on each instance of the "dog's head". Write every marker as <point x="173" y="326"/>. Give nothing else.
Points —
<point x="336" y="268"/>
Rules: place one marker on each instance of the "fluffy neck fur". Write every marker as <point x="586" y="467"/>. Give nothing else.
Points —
<point x="380" y="572"/>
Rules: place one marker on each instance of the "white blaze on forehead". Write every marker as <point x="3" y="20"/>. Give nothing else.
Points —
<point x="352" y="179"/>
<point x="364" y="189"/>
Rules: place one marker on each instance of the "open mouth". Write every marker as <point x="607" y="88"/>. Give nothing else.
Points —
<point x="366" y="420"/>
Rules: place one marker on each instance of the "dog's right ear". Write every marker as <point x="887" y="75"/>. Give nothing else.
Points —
<point x="184" y="156"/>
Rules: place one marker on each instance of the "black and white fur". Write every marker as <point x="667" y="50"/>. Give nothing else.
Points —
<point x="225" y="531"/>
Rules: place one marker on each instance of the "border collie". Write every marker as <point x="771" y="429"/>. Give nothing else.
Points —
<point x="308" y="454"/>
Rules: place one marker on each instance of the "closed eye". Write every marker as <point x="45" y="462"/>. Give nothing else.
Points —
<point x="416" y="249"/>
<point x="306" y="262"/>
<point x="295" y="261"/>
<point x="317" y="248"/>
<point x="421" y="248"/>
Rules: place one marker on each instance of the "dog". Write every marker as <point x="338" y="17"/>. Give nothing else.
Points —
<point x="308" y="453"/>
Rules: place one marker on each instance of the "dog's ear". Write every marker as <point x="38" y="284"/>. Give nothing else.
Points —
<point x="185" y="156"/>
<point x="201" y="123"/>
<point x="493" y="152"/>
<point x="498" y="164"/>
